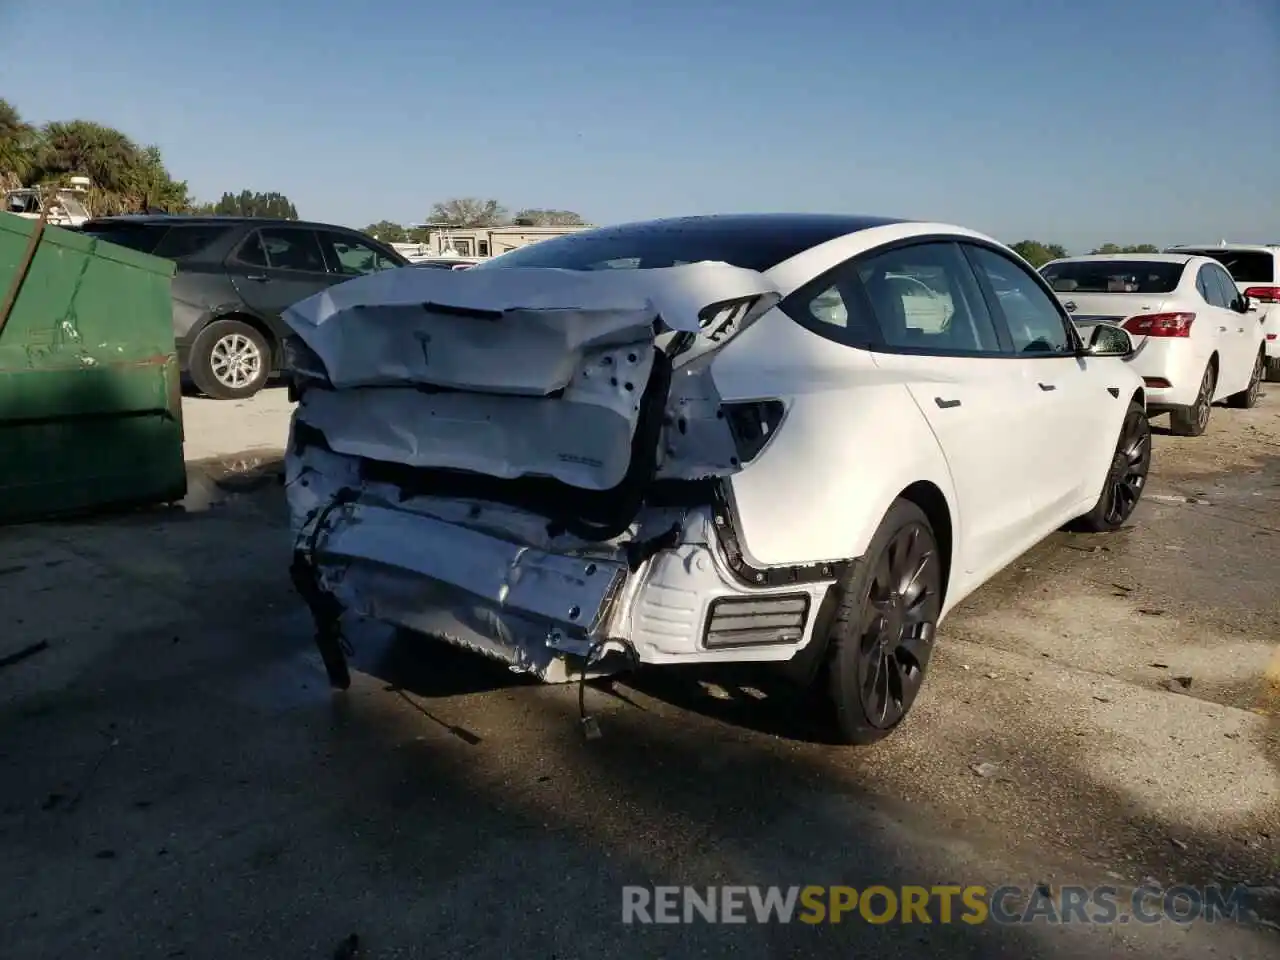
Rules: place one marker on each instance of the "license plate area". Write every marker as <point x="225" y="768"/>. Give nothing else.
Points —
<point x="574" y="592"/>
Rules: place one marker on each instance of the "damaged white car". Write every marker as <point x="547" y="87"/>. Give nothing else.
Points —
<point x="700" y="440"/>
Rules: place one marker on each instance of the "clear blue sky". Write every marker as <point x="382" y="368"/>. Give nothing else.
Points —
<point x="1080" y="122"/>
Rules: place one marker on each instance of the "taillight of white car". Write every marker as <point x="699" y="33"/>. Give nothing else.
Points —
<point x="1263" y="294"/>
<point x="1160" y="324"/>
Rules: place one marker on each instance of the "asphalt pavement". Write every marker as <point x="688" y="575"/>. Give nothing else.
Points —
<point x="177" y="780"/>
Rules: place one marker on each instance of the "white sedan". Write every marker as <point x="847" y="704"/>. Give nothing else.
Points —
<point x="698" y="441"/>
<point x="1196" y="340"/>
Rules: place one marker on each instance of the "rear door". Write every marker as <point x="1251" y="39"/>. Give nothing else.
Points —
<point x="275" y="267"/>
<point x="1235" y="356"/>
<point x="963" y="380"/>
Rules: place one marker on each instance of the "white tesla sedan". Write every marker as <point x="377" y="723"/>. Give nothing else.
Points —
<point x="701" y="440"/>
<point x="1196" y="340"/>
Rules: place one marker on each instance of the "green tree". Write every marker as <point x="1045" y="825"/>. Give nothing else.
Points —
<point x="247" y="203"/>
<point x="548" y="218"/>
<point x="1036" y="253"/>
<point x="1132" y="248"/>
<point x="18" y="142"/>
<point x="126" y="177"/>
<point x="469" y="212"/>
<point x="387" y="231"/>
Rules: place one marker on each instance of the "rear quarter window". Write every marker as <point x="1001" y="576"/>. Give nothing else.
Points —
<point x="141" y="237"/>
<point x="182" y="242"/>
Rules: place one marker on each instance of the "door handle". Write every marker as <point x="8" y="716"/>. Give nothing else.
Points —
<point x="261" y="277"/>
<point x="1222" y="329"/>
<point x="1048" y="386"/>
<point x="946" y="404"/>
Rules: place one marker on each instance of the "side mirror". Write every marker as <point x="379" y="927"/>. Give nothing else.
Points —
<point x="1106" y="340"/>
<point x="1242" y="304"/>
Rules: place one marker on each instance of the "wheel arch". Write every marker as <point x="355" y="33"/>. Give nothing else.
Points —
<point x="929" y="497"/>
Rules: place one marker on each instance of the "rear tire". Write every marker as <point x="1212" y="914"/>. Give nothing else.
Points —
<point x="882" y="635"/>
<point x="1248" y="397"/>
<point x="1192" y="421"/>
<point x="230" y="360"/>
<point x="1126" y="476"/>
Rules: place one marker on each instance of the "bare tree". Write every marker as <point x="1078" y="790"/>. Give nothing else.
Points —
<point x="534" y="217"/>
<point x="469" y="212"/>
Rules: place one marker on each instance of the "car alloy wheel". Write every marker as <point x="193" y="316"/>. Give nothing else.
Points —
<point x="1247" y="398"/>
<point x="1204" y="399"/>
<point x="900" y="616"/>
<point x="236" y="361"/>
<point x="1129" y="468"/>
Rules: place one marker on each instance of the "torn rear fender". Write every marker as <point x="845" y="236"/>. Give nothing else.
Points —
<point x="527" y="372"/>
<point x="522" y="331"/>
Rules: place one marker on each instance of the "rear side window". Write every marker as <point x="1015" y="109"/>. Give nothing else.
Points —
<point x="143" y="237"/>
<point x="1113" y="276"/>
<point x="182" y="242"/>
<point x="1207" y="284"/>
<point x="282" y="249"/>
<point x="1247" y="266"/>
<point x="922" y="299"/>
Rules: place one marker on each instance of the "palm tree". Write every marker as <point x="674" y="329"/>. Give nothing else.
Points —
<point x="18" y="140"/>
<point x="126" y="178"/>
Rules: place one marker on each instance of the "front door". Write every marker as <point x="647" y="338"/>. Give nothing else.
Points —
<point x="275" y="267"/>
<point x="1069" y="397"/>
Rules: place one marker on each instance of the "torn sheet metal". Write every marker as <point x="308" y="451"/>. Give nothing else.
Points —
<point x="517" y="330"/>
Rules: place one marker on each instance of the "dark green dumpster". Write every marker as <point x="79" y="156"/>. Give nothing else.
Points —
<point x="90" y="394"/>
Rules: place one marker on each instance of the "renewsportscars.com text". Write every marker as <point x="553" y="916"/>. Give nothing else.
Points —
<point x="933" y="904"/>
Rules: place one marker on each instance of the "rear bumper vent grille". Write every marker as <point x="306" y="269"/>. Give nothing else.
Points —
<point x="756" y="621"/>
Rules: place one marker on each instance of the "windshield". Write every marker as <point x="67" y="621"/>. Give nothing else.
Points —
<point x="1245" y="266"/>
<point x="72" y="205"/>
<point x="1113" y="276"/>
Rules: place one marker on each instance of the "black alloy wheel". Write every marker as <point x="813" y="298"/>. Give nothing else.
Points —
<point x="1126" y="476"/>
<point x="884" y="631"/>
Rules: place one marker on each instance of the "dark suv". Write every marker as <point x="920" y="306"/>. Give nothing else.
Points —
<point x="235" y="275"/>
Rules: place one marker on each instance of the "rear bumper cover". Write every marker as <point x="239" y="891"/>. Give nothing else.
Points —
<point x="543" y="612"/>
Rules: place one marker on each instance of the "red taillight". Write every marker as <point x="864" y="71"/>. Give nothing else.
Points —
<point x="1264" y="294"/>
<point x="1156" y="383"/>
<point x="1160" y="324"/>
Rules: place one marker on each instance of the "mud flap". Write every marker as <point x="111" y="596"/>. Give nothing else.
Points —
<point x="326" y="611"/>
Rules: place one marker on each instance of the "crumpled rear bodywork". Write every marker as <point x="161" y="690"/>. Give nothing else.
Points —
<point x="475" y="454"/>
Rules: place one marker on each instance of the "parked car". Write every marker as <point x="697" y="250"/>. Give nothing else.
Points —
<point x="1255" y="268"/>
<point x="725" y="440"/>
<point x="234" y="277"/>
<point x="1196" y="341"/>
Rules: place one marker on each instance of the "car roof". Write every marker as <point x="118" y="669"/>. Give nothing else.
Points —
<point x="1129" y="257"/>
<point x="813" y="227"/>
<point x="757" y="241"/>
<point x="174" y="219"/>
<point x="1236" y="247"/>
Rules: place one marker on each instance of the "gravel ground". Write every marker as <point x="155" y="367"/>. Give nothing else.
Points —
<point x="176" y="779"/>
